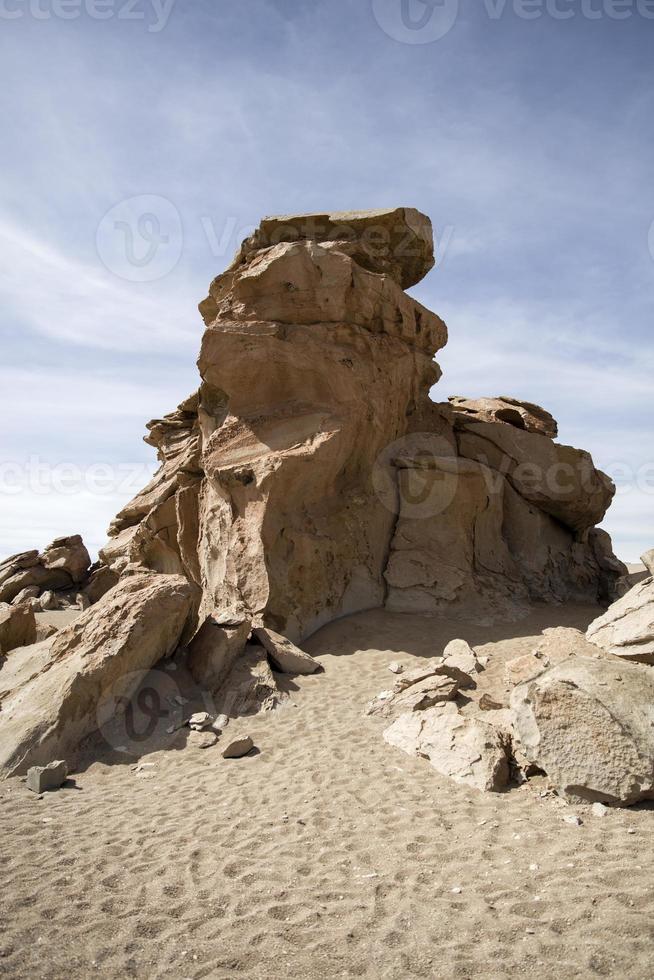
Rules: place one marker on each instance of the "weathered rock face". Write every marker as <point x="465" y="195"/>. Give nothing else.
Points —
<point x="322" y="363"/>
<point x="285" y="656"/>
<point x="436" y="681"/>
<point x="423" y="694"/>
<point x="627" y="628"/>
<point x="467" y="750"/>
<point x="465" y="538"/>
<point x="589" y="724"/>
<point x="398" y="242"/>
<point x="250" y="686"/>
<point x="214" y="650"/>
<point x="63" y="565"/>
<point x="158" y="529"/>
<point x="559" y="480"/>
<point x="521" y="415"/>
<point x="311" y="476"/>
<point x="17" y="627"/>
<point x="556" y="645"/>
<point x="100" y="656"/>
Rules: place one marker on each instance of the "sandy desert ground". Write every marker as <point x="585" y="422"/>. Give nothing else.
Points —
<point x="327" y="853"/>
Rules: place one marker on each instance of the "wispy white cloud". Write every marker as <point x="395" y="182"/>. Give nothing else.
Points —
<point x="77" y="303"/>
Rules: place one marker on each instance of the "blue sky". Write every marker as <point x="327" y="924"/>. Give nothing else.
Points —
<point x="529" y="142"/>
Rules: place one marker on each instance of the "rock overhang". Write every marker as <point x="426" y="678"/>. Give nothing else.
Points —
<point x="398" y="242"/>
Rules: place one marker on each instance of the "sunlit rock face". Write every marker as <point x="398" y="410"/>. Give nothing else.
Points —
<point x="311" y="476"/>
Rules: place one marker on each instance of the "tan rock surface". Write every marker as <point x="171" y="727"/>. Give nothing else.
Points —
<point x="17" y="627"/>
<point x="627" y="628"/>
<point x="95" y="660"/>
<point x="554" y="646"/>
<point x="460" y="661"/>
<point x="467" y="750"/>
<point x="320" y="362"/>
<point x="522" y="415"/>
<point x="250" y="686"/>
<point x="588" y="723"/>
<point x="68" y="554"/>
<point x="417" y="690"/>
<point x="286" y="656"/>
<point x="64" y="564"/>
<point x="560" y="480"/>
<point x="397" y="242"/>
<point x="214" y="649"/>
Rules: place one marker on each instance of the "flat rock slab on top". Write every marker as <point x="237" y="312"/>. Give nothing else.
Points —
<point x="398" y="242"/>
<point x="522" y="415"/>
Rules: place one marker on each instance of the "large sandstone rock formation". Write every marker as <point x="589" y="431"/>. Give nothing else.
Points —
<point x="63" y="566"/>
<point x="311" y="475"/>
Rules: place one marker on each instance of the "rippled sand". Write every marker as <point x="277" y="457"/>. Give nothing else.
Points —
<point x="327" y="854"/>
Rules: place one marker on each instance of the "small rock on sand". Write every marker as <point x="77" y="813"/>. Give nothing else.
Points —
<point x="201" y="740"/>
<point x="200" y="720"/>
<point x="238" y="747"/>
<point x="42" y="778"/>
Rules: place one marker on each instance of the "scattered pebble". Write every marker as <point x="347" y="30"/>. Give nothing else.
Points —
<point x="199" y="721"/>
<point x="201" y="739"/>
<point x="573" y="819"/>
